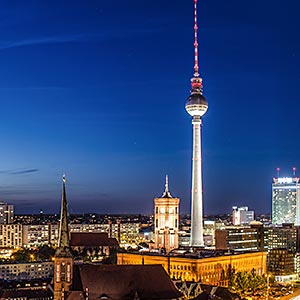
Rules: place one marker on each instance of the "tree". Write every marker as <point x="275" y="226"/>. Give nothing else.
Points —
<point x="23" y="255"/>
<point x="45" y="253"/>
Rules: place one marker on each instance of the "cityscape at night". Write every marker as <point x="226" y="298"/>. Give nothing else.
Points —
<point x="149" y="150"/>
<point x="97" y="89"/>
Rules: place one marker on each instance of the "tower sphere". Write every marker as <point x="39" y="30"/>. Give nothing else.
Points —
<point x="196" y="104"/>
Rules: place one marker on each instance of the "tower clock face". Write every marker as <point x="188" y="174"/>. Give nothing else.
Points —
<point x="162" y="210"/>
<point x="171" y="210"/>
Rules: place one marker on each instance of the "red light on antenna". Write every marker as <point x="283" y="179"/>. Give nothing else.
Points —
<point x="277" y="169"/>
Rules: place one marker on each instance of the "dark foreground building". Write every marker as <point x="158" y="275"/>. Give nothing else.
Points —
<point x="121" y="282"/>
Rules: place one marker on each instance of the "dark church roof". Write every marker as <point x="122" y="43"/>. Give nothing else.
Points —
<point x="92" y="240"/>
<point x="124" y="282"/>
<point x="26" y="293"/>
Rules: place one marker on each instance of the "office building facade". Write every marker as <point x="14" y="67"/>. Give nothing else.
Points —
<point x="241" y="215"/>
<point x="286" y="200"/>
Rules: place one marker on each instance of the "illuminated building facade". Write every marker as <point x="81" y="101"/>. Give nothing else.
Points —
<point x="286" y="200"/>
<point x="23" y="271"/>
<point x="211" y="269"/>
<point x="166" y="220"/>
<point x="252" y="238"/>
<point x="11" y="236"/>
<point x="36" y="235"/>
<point x="281" y="262"/>
<point x="241" y="215"/>
<point x="6" y="213"/>
<point x="286" y="237"/>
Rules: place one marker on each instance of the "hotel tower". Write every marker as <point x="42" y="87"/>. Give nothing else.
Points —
<point x="196" y="106"/>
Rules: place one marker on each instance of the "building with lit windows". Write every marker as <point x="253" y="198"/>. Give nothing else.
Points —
<point x="11" y="236"/>
<point x="281" y="264"/>
<point x="6" y="213"/>
<point x="209" y="267"/>
<point x="241" y="215"/>
<point x="166" y="219"/>
<point x="286" y="237"/>
<point x="36" y="235"/>
<point x="286" y="200"/>
<point x="250" y="238"/>
<point x="23" y="271"/>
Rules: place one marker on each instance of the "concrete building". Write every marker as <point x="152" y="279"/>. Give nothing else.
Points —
<point x="250" y="238"/>
<point x="241" y="215"/>
<point x="6" y="213"/>
<point x="286" y="237"/>
<point x="210" y="267"/>
<point x="281" y="264"/>
<point x="286" y="200"/>
<point x="166" y="220"/>
<point x="36" y="235"/>
<point x="11" y="236"/>
<point x="23" y="271"/>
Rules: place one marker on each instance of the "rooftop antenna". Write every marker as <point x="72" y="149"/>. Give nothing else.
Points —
<point x="167" y="184"/>
<point x="196" y="65"/>
<point x="196" y="80"/>
<point x="278" y="171"/>
<point x="294" y="171"/>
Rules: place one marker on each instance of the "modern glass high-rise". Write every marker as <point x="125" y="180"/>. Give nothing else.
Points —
<point x="286" y="200"/>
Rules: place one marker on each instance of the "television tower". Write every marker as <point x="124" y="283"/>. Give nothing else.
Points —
<point x="196" y="105"/>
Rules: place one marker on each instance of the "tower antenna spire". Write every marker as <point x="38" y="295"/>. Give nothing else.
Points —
<point x="167" y="184"/>
<point x="294" y="171"/>
<point x="166" y="193"/>
<point x="196" y="80"/>
<point x="278" y="171"/>
<point x="196" y="65"/>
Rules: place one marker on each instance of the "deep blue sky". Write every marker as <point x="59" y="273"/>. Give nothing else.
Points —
<point x="96" y="90"/>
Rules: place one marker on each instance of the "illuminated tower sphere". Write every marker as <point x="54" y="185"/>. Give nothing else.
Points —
<point x="196" y="106"/>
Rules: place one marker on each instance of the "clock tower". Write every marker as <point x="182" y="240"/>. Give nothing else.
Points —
<point x="166" y="220"/>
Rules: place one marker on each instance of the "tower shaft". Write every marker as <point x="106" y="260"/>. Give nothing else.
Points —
<point x="197" y="201"/>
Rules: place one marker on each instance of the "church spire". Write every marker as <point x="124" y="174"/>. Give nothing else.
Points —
<point x="166" y="193"/>
<point x="63" y="240"/>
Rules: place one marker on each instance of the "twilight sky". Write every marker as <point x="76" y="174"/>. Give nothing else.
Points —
<point x="96" y="89"/>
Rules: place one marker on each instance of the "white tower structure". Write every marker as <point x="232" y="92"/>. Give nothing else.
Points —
<point x="196" y="106"/>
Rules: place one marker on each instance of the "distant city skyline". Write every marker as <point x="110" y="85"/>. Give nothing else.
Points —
<point x="97" y="90"/>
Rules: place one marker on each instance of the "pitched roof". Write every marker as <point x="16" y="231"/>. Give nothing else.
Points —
<point x="75" y="295"/>
<point x="29" y="294"/>
<point x="125" y="282"/>
<point x="92" y="239"/>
